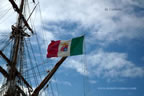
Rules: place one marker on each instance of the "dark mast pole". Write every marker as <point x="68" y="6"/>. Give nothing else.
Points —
<point x="48" y="77"/>
<point x="16" y="32"/>
<point x="17" y="36"/>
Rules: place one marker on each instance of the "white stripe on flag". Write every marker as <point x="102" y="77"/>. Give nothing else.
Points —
<point x="64" y="48"/>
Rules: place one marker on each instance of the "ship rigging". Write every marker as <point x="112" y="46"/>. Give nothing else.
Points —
<point x="16" y="84"/>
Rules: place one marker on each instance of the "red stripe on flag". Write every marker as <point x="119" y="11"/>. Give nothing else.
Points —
<point x="53" y="49"/>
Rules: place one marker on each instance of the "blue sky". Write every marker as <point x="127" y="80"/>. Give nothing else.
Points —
<point x="113" y="62"/>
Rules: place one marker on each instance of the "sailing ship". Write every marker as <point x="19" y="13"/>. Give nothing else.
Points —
<point x="13" y="53"/>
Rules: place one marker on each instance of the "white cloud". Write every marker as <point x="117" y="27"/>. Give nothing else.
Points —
<point x="92" y="81"/>
<point x="115" y="65"/>
<point x="67" y="83"/>
<point x="106" y="65"/>
<point x="7" y="16"/>
<point x="77" y="65"/>
<point x="92" y="14"/>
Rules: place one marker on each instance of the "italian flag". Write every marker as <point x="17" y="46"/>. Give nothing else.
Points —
<point x="63" y="48"/>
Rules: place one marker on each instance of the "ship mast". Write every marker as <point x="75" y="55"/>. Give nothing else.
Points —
<point x="17" y="35"/>
<point x="13" y="75"/>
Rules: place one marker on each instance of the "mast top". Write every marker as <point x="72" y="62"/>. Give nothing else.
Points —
<point x="21" y="16"/>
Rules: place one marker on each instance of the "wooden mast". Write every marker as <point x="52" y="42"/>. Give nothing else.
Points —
<point x="17" y="36"/>
<point x="48" y="77"/>
<point x="16" y="32"/>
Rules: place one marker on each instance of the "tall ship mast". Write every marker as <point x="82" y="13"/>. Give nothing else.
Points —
<point x="16" y="83"/>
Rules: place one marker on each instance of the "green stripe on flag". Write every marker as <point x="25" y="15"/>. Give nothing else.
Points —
<point x="77" y="46"/>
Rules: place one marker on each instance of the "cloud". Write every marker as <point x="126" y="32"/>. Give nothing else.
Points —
<point x="106" y="26"/>
<point x="114" y="64"/>
<point x="77" y="65"/>
<point x="66" y="83"/>
<point x="106" y="65"/>
<point x="7" y="17"/>
<point x="47" y="36"/>
<point x="92" y="81"/>
<point x="99" y="24"/>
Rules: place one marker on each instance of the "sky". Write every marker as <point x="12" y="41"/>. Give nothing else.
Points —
<point x="113" y="60"/>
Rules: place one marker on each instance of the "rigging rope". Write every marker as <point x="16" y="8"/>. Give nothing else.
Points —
<point x="85" y="68"/>
<point x="32" y="49"/>
<point x="6" y="12"/>
<point x="50" y="84"/>
<point x="56" y="85"/>
<point x="31" y="64"/>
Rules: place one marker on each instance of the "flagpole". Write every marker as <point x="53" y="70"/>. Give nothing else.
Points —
<point x="48" y="77"/>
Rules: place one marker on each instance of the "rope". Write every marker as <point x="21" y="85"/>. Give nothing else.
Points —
<point x="35" y="58"/>
<point x="6" y="12"/>
<point x="31" y="63"/>
<point x="6" y="17"/>
<point x="6" y="44"/>
<point x="56" y="85"/>
<point x="51" y="89"/>
<point x="85" y="77"/>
